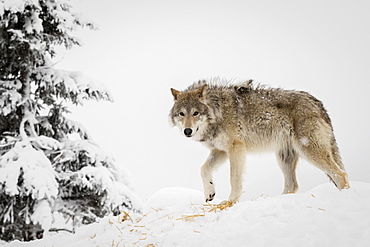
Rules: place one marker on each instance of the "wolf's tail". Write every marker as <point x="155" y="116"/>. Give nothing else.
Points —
<point x="336" y="155"/>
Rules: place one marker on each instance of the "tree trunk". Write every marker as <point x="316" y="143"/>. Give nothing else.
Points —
<point x="28" y="109"/>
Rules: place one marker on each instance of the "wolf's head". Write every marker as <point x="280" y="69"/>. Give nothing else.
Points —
<point x="189" y="111"/>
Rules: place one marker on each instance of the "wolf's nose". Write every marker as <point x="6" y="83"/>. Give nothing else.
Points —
<point x="188" y="132"/>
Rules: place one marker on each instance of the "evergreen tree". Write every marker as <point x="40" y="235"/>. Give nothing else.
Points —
<point x="47" y="179"/>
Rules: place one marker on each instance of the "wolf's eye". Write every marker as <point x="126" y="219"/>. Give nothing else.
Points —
<point x="181" y="114"/>
<point x="196" y="113"/>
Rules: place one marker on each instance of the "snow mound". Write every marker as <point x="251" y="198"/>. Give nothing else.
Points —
<point x="323" y="216"/>
<point x="173" y="199"/>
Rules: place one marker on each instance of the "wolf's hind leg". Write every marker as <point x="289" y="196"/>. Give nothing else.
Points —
<point x="288" y="159"/>
<point x="214" y="160"/>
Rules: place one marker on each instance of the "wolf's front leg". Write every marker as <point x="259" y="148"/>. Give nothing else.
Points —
<point x="215" y="159"/>
<point x="237" y="155"/>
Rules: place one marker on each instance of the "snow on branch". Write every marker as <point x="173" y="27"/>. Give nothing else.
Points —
<point x="24" y="170"/>
<point x="9" y="96"/>
<point x="60" y="10"/>
<point x="12" y="5"/>
<point x="11" y="84"/>
<point x="76" y="127"/>
<point x="46" y="143"/>
<point x="9" y="100"/>
<point x="83" y="152"/>
<point x="70" y="85"/>
<point x="27" y="173"/>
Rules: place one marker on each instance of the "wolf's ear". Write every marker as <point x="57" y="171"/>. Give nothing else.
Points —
<point x="175" y="93"/>
<point x="202" y="92"/>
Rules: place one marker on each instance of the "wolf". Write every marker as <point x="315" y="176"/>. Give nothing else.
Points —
<point x="234" y="119"/>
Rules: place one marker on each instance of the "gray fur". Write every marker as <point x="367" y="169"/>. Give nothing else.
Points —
<point x="236" y="119"/>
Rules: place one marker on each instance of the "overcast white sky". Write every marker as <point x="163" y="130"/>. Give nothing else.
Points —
<point x="145" y="47"/>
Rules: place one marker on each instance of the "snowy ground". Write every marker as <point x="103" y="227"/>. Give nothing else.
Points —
<point x="178" y="217"/>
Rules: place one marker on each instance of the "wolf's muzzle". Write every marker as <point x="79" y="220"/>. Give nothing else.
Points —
<point x="187" y="132"/>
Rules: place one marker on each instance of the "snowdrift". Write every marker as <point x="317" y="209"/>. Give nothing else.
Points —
<point x="323" y="216"/>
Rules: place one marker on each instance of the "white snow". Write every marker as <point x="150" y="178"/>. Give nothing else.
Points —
<point x="8" y="101"/>
<point x="43" y="214"/>
<point x="34" y="23"/>
<point x="34" y="165"/>
<point x="323" y="216"/>
<point x="38" y="181"/>
<point x="11" y="5"/>
<point x="75" y="82"/>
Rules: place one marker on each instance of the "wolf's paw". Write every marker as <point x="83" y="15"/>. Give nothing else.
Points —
<point x="210" y="197"/>
<point x="227" y="203"/>
<point x="209" y="191"/>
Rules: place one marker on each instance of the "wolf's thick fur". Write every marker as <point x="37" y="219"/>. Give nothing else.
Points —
<point x="233" y="120"/>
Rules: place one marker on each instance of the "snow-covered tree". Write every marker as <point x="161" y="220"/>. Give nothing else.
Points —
<point x="49" y="180"/>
